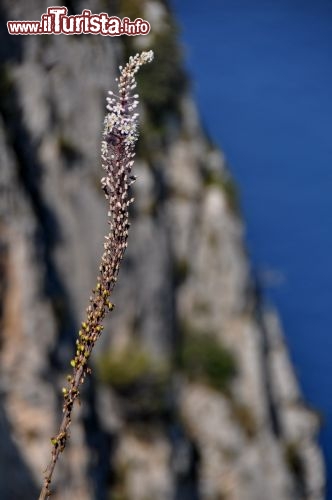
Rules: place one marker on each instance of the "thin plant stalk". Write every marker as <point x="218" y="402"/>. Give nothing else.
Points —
<point x="117" y="153"/>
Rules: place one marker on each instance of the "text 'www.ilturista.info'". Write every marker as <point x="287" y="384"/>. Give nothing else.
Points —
<point x="56" y="21"/>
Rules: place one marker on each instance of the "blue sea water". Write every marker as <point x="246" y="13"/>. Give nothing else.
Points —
<point x="262" y="73"/>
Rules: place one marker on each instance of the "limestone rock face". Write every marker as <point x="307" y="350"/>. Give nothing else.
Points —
<point x="160" y="418"/>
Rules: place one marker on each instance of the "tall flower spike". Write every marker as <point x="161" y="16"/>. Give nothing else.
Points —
<point x="117" y="153"/>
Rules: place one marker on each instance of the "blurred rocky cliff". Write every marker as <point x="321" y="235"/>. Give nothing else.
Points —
<point x="192" y="394"/>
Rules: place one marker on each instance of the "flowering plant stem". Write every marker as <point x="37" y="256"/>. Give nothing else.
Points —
<point x="117" y="153"/>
